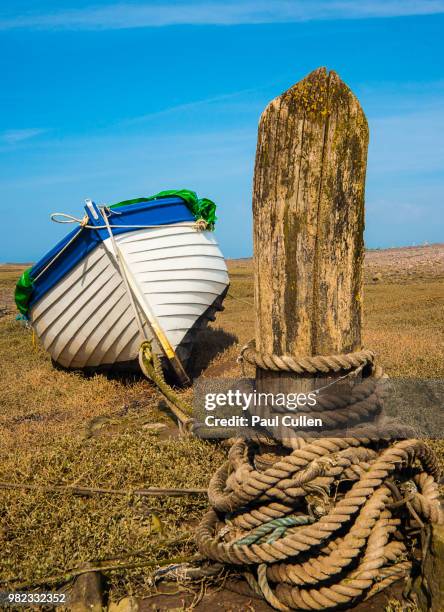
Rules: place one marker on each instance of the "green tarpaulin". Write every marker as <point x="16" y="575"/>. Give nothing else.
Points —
<point x="23" y="291"/>
<point x="202" y="208"/>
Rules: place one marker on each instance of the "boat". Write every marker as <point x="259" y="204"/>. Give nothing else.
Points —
<point x="141" y="269"/>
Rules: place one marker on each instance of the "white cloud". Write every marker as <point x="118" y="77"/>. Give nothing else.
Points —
<point x="118" y="16"/>
<point x="15" y="136"/>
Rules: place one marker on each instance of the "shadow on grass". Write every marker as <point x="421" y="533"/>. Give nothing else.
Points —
<point x="209" y="343"/>
<point x="127" y="372"/>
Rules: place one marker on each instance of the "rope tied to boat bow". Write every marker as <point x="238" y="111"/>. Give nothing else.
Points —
<point x="151" y="367"/>
<point x="199" y="225"/>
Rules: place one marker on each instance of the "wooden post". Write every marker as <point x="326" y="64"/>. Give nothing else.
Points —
<point x="428" y="586"/>
<point x="308" y="207"/>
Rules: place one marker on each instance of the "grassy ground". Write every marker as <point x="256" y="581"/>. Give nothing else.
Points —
<point x="47" y="437"/>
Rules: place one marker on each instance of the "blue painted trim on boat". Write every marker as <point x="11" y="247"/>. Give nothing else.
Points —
<point x="154" y="212"/>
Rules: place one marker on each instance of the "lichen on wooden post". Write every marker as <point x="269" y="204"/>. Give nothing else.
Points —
<point x="308" y="207"/>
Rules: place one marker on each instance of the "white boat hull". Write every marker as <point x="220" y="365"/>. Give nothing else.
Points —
<point x="87" y="320"/>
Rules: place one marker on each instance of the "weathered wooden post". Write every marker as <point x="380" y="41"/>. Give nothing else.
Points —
<point x="308" y="207"/>
<point x="311" y="521"/>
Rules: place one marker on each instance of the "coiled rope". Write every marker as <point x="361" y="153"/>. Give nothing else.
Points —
<point x="316" y="523"/>
<point x="348" y="547"/>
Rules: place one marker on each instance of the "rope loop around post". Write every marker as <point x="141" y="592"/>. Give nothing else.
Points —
<point x="302" y="365"/>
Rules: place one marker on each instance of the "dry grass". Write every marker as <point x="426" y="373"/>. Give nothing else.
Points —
<point x="43" y="413"/>
<point x="403" y="322"/>
<point x="45" y="534"/>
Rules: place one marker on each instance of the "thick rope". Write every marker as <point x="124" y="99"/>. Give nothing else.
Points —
<point x="318" y="526"/>
<point x="316" y="560"/>
<point x="318" y="523"/>
<point x="151" y="366"/>
<point x="301" y="365"/>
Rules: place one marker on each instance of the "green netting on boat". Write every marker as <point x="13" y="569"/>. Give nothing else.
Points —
<point x="202" y="208"/>
<point x="23" y="290"/>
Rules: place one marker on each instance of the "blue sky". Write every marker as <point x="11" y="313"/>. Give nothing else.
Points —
<point x="113" y="101"/>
